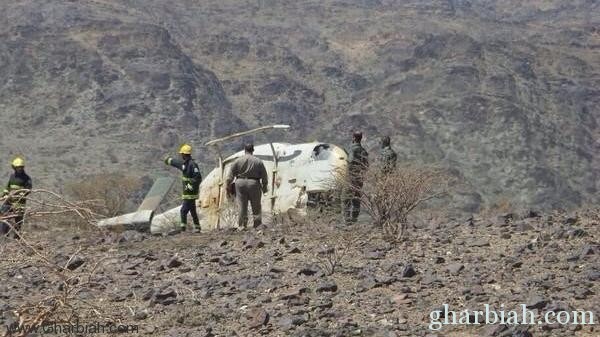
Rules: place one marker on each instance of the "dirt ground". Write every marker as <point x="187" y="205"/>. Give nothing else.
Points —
<point x="278" y="280"/>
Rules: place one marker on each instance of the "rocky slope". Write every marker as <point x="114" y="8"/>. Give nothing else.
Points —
<point x="274" y="281"/>
<point x="505" y="94"/>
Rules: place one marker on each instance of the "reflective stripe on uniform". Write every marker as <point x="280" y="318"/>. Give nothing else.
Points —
<point x="16" y="187"/>
<point x="187" y="179"/>
<point x="189" y="196"/>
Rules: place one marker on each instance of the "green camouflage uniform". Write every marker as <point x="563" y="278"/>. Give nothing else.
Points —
<point x="387" y="159"/>
<point x="358" y="162"/>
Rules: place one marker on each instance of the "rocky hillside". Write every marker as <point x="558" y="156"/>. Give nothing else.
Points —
<point x="277" y="281"/>
<point x="505" y="94"/>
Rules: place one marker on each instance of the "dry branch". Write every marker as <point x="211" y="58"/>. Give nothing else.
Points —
<point x="63" y="306"/>
<point x="389" y="197"/>
<point x="43" y="203"/>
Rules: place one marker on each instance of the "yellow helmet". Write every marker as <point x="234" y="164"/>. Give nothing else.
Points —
<point x="185" y="149"/>
<point x="18" y="162"/>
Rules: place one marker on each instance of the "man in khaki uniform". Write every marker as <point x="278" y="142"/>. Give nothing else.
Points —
<point x="250" y="180"/>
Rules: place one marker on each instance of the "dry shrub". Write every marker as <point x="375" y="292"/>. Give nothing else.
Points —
<point x="44" y="206"/>
<point x="112" y="189"/>
<point x="72" y="301"/>
<point x="335" y="248"/>
<point x="389" y="197"/>
<point x="333" y="244"/>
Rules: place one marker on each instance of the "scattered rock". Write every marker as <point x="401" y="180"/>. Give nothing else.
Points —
<point x="588" y="250"/>
<point x="576" y="233"/>
<point x="580" y="293"/>
<point x="533" y="214"/>
<point x="367" y="283"/>
<point x="593" y="275"/>
<point x="517" y="332"/>
<point x="252" y="242"/>
<point x="571" y="220"/>
<point x="257" y="317"/>
<point x="478" y="243"/>
<point x="308" y="271"/>
<point x="227" y="261"/>
<point x="149" y="329"/>
<point x="165" y="297"/>
<point x="408" y="271"/>
<point x="323" y="304"/>
<point x="288" y="323"/>
<point x="76" y="262"/>
<point x="536" y="302"/>
<point x="400" y="299"/>
<point x="523" y="226"/>
<point x="455" y="268"/>
<point x="148" y="294"/>
<point x="494" y="330"/>
<point x="294" y="293"/>
<point x="173" y="262"/>
<point x="131" y="236"/>
<point x="430" y="279"/>
<point x="327" y="287"/>
<point x="375" y="255"/>
<point x="140" y="315"/>
<point x="294" y="250"/>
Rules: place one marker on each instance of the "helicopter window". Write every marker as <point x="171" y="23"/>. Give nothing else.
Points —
<point x="320" y="150"/>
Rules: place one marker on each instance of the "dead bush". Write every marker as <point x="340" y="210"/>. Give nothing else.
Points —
<point x="112" y="189"/>
<point x="389" y="197"/>
<point x="335" y="248"/>
<point x="73" y="300"/>
<point x="70" y="301"/>
<point x="44" y="206"/>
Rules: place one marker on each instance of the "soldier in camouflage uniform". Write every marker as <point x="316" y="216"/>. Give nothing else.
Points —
<point x="387" y="156"/>
<point x="358" y="162"/>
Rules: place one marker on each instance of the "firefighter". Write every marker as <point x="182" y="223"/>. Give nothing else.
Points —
<point x="251" y="179"/>
<point x="16" y="191"/>
<point x="191" y="179"/>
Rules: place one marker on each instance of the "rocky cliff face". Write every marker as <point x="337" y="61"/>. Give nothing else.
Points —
<point x="505" y="94"/>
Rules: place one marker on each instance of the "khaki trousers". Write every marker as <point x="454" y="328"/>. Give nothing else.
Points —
<point x="248" y="190"/>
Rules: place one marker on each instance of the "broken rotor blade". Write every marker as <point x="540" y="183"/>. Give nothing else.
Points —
<point x="248" y="132"/>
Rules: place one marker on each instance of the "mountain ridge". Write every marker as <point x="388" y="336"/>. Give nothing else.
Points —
<point x="504" y="94"/>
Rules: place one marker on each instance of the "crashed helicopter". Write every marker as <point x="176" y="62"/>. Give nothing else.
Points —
<point x="299" y="175"/>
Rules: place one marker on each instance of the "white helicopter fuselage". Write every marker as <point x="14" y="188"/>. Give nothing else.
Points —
<point x="295" y="171"/>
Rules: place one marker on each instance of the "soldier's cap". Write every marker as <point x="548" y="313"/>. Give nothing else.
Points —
<point x="385" y="140"/>
<point x="357" y="135"/>
<point x="249" y="147"/>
